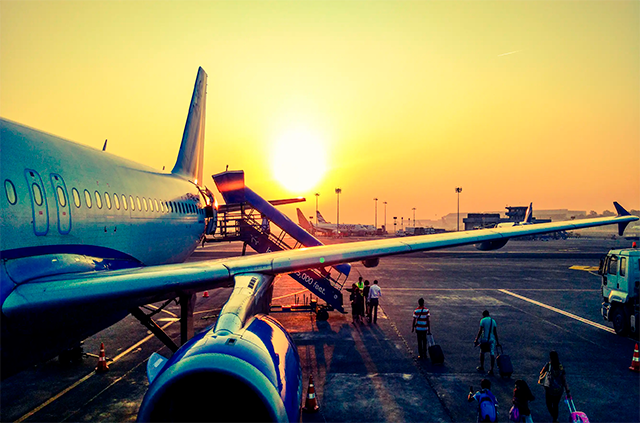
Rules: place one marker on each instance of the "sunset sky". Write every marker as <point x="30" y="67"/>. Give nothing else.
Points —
<point x="401" y="100"/>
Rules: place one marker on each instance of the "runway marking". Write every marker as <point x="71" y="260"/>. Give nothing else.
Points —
<point x="490" y="289"/>
<point x="557" y="310"/>
<point x="87" y="377"/>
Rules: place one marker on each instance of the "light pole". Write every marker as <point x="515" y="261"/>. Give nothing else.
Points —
<point x="414" y="217"/>
<point x="385" y="216"/>
<point x="375" y="222"/>
<point x="458" y="191"/>
<point x="317" y="195"/>
<point x="338" y="191"/>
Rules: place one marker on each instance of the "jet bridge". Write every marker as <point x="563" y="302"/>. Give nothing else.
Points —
<point x="249" y="218"/>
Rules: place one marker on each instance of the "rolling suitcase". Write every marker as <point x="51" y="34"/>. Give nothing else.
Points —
<point x="435" y="351"/>
<point x="504" y="363"/>
<point x="576" y="416"/>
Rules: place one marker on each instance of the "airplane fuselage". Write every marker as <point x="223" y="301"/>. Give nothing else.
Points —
<point x="69" y="208"/>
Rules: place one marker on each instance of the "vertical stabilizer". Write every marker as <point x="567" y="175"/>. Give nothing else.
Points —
<point x="191" y="154"/>
<point x="306" y="225"/>
<point x="528" y="218"/>
<point x="320" y="218"/>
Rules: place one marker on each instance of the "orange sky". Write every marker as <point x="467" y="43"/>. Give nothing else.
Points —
<point x="514" y="101"/>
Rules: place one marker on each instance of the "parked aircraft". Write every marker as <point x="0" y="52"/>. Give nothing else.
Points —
<point x="87" y="237"/>
<point x="331" y="229"/>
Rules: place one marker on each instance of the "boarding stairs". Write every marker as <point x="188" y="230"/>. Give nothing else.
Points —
<point x="249" y="218"/>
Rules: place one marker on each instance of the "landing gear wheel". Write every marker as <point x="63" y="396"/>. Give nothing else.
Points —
<point x="322" y="314"/>
<point x="620" y="321"/>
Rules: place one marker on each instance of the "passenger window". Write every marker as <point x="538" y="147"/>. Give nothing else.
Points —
<point x="37" y="194"/>
<point x="10" y="190"/>
<point x="613" y="265"/>
<point x="623" y="266"/>
<point x="98" y="200"/>
<point x="171" y="206"/>
<point x="116" y="201"/>
<point x="144" y="202"/>
<point x="155" y="201"/>
<point x="76" y="197"/>
<point x="139" y="203"/>
<point x="151" y="204"/>
<point x="62" y="197"/>
<point x="107" y="200"/>
<point x="87" y="198"/>
<point x="124" y="202"/>
<point x="133" y="205"/>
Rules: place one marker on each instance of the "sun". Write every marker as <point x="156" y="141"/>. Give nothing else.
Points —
<point x="299" y="159"/>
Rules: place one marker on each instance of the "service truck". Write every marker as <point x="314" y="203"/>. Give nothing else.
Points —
<point x="620" y="271"/>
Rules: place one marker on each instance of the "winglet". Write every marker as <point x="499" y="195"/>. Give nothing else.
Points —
<point x="621" y="212"/>
<point x="191" y="154"/>
<point x="528" y="218"/>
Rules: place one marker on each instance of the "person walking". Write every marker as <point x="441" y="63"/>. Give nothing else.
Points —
<point x="354" y="305"/>
<point x="487" y="338"/>
<point x="365" y="294"/>
<point x="487" y="403"/>
<point x="374" y="298"/>
<point x="422" y="327"/>
<point x="554" y="379"/>
<point x="520" y="412"/>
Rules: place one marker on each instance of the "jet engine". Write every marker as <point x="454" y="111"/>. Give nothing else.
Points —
<point x="492" y="245"/>
<point x="251" y="375"/>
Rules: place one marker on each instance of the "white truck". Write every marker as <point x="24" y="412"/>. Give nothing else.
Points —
<point x="620" y="271"/>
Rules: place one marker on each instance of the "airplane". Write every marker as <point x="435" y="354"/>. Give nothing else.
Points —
<point x="87" y="237"/>
<point x="331" y="229"/>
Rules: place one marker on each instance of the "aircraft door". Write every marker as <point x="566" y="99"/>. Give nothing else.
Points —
<point x="62" y="203"/>
<point x="38" y="202"/>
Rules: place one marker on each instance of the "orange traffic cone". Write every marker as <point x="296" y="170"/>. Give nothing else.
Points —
<point x="311" y="405"/>
<point x="102" y="361"/>
<point x="635" y="362"/>
<point x="205" y="294"/>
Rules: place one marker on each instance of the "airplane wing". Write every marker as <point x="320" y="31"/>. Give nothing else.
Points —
<point x="133" y="287"/>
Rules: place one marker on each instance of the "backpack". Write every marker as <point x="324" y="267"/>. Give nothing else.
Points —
<point x="486" y="408"/>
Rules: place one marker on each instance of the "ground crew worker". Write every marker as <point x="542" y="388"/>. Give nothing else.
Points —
<point x="360" y="284"/>
<point x="422" y="327"/>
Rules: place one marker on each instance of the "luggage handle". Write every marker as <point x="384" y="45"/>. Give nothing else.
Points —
<point x="570" y="404"/>
<point x="499" y="349"/>
<point x="430" y="340"/>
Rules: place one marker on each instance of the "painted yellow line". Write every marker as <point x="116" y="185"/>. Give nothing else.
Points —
<point x="84" y="379"/>
<point x="557" y="310"/>
<point x="585" y="268"/>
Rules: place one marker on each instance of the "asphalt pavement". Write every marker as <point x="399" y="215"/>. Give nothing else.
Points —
<point x="367" y="372"/>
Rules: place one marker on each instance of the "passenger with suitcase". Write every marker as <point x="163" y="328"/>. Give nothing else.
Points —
<point x="520" y="412"/>
<point x="505" y="368"/>
<point x="554" y="380"/>
<point x="487" y="338"/>
<point x="422" y="327"/>
<point x="487" y="403"/>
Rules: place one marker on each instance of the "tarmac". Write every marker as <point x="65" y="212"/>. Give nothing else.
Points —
<point x="370" y="372"/>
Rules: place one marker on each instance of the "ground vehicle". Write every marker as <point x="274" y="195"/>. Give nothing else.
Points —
<point x="620" y="271"/>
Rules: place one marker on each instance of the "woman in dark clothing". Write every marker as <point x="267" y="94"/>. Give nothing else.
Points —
<point x="521" y="397"/>
<point x="359" y="305"/>
<point x="554" y="380"/>
<point x="354" y="305"/>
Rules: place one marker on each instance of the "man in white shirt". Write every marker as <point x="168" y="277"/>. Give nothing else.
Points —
<point x="374" y="295"/>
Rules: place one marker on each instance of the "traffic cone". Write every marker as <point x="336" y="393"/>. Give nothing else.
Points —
<point x="205" y="294"/>
<point x="102" y="361"/>
<point x="311" y="405"/>
<point x="635" y="362"/>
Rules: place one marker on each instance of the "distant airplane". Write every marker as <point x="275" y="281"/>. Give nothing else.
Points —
<point x="331" y="229"/>
<point x="87" y="238"/>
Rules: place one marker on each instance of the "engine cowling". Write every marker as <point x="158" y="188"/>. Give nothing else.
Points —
<point x="251" y="375"/>
<point x="492" y="245"/>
